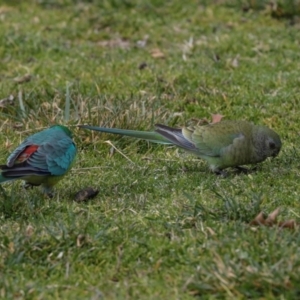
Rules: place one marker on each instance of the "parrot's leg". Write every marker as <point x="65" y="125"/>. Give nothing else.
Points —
<point x="242" y="170"/>
<point x="27" y="185"/>
<point x="246" y="170"/>
<point x="48" y="191"/>
<point x="221" y="173"/>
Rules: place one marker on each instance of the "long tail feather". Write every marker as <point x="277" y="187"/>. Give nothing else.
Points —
<point x="151" y="136"/>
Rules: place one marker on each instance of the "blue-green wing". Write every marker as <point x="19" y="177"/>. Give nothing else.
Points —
<point x="56" y="157"/>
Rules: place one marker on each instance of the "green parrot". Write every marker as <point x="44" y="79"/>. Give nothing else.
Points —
<point x="42" y="159"/>
<point x="223" y="144"/>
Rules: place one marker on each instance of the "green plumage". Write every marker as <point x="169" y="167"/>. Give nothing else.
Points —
<point x="42" y="159"/>
<point x="222" y="145"/>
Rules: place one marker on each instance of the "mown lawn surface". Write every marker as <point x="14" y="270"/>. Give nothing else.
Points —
<point x="162" y="226"/>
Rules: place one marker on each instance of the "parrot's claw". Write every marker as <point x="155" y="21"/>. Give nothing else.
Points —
<point x="28" y="185"/>
<point x="239" y="170"/>
<point x="242" y="170"/>
<point x="48" y="191"/>
<point x="246" y="170"/>
<point x="50" y="195"/>
<point x="221" y="173"/>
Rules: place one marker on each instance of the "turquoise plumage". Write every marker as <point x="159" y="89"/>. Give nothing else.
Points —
<point x="42" y="159"/>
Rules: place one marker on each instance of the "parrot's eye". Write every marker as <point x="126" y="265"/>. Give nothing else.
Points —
<point x="272" y="145"/>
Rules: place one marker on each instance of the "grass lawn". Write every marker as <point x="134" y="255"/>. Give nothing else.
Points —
<point x="162" y="226"/>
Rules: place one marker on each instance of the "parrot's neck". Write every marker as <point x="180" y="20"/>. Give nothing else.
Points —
<point x="64" y="128"/>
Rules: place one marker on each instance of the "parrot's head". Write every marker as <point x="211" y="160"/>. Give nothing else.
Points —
<point x="270" y="142"/>
<point x="65" y="129"/>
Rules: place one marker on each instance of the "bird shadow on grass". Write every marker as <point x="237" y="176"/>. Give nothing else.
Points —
<point x="190" y="167"/>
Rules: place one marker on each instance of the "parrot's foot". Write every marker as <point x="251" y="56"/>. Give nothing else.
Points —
<point x="242" y="170"/>
<point x="50" y="195"/>
<point x="239" y="170"/>
<point x="28" y="185"/>
<point x="221" y="173"/>
<point x="246" y="170"/>
<point x="48" y="191"/>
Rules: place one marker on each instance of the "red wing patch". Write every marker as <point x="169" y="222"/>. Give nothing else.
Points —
<point x="27" y="153"/>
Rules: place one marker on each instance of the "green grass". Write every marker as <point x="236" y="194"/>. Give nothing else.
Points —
<point x="162" y="225"/>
